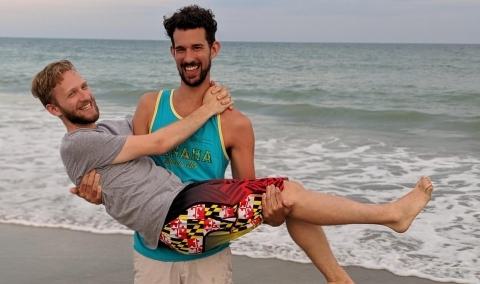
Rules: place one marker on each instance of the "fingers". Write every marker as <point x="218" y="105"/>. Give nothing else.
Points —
<point x="224" y="97"/>
<point x="222" y="93"/>
<point x="226" y="101"/>
<point x="274" y="212"/>
<point x="266" y="202"/>
<point x="219" y="91"/>
<point x="215" y="89"/>
<point x="96" y="192"/>
<point x="81" y="189"/>
<point x="96" y="180"/>
<point x="89" y="188"/>
<point x="270" y="200"/>
<point x="98" y="196"/>
<point x="74" y="190"/>
<point x="272" y="197"/>
<point x="90" y="182"/>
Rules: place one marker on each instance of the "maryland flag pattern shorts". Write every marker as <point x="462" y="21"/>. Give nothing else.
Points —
<point x="207" y="214"/>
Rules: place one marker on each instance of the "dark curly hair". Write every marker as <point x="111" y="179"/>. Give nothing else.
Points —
<point x="191" y="17"/>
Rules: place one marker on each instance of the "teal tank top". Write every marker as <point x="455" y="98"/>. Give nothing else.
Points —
<point x="201" y="157"/>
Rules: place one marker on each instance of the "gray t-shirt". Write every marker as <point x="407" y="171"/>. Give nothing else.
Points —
<point x="138" y="194"/>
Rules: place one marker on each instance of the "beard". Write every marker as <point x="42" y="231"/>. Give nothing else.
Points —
<point x="77" y="119"/>
<point x="200" y="80"/>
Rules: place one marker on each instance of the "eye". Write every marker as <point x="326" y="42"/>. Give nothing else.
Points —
<point x="85" y="86"/>
<point x="179" y="50"/>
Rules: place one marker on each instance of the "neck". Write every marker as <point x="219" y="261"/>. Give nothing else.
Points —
<point x="192" y="96"/>
<point x="72" y="127"/>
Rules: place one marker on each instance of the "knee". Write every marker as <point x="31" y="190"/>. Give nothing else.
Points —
<point x="293" y="186"/>
<point x="292" y="192"/>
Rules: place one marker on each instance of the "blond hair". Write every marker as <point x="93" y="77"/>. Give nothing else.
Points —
<point x="45" y="81"/>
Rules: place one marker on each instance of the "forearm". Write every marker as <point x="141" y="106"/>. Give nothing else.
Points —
<point x="167" y="138"/>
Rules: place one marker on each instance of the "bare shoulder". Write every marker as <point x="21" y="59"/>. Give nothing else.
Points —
<point x="235" y="120"/>
<point x="234" y="125"/>
<point x="148" y="99"/>
<point x="144" y="112"/>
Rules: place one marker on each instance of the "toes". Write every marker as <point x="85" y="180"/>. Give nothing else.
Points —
<point x="426" y="182"/>
<point x="427" y="185"/>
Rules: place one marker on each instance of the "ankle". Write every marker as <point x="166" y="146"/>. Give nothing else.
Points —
<point x="339" y="277"/>
<point x="343" y="281"/>
<point x="394" y="213"/>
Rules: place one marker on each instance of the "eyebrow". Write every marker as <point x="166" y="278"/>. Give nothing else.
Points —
<point x="71" y="89"/>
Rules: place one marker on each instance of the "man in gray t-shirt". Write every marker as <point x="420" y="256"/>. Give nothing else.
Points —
<point x="132" y="191"/>
<point x="136" y="192"/>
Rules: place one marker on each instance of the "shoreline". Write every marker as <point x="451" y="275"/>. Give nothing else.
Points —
<point x="49" y="255"/>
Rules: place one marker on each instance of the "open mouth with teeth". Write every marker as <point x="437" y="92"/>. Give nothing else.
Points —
<point x="191" y="67"/>
<point x="193" y="73"/>
<point x="88" y="106"/>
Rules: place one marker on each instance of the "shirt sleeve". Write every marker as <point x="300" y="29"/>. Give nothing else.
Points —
<point x="85" y="150"/>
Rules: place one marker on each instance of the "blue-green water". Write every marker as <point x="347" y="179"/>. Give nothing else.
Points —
<point x="361" y="120"/>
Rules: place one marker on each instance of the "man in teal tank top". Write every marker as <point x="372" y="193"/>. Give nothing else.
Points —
<point x="203" y="156"/>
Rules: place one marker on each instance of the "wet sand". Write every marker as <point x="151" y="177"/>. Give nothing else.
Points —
<point x="49" y="256"/>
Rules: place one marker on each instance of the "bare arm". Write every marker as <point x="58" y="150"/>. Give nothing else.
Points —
<point x="144" y="113"/>
<point x="241" y="151"/>
<point x="90" y="188"/>
<point x="165" y="139"/>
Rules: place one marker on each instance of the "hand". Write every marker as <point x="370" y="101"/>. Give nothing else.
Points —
<point x="219" y="89"/>
<point x="274" y="210"/>
<point x="217" y="98"/>
<point x="89" y="188"/>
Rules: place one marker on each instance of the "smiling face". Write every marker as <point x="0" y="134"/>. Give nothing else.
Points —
<point x="193" y="55"/>
<point x="74" y="102"/>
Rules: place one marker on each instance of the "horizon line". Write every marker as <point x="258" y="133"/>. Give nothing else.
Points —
<point x="251" y="41"/>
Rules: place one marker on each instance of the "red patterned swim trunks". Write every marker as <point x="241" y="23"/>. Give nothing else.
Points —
<point x="207" y="214"/>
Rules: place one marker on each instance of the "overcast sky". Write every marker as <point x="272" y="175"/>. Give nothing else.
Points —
<point x="431" y="21"/>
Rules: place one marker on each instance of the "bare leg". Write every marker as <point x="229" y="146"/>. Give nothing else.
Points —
<point x="323" y="209"/>
<point x="313" y="241"/>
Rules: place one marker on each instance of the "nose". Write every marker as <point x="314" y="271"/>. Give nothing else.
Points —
<point x="189" y="57"/>
<point x="85" y="94"/>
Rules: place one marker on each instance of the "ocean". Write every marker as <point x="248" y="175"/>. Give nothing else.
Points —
<point x="360" y="120"/>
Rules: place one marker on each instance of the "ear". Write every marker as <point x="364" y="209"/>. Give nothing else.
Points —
<point x="172" y="51"/>
<point x="215" y="49"/>
<point x="53" y="110"/>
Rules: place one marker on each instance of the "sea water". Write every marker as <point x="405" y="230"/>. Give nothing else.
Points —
<point x="359" y="120"/>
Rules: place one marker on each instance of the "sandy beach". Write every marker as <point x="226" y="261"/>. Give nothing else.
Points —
<point x="44" y="255"/>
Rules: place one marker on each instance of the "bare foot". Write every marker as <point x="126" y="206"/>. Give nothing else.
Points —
<point x="409" y="206"/>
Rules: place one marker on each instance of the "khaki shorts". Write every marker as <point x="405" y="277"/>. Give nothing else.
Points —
<point x="214" y="269"/>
